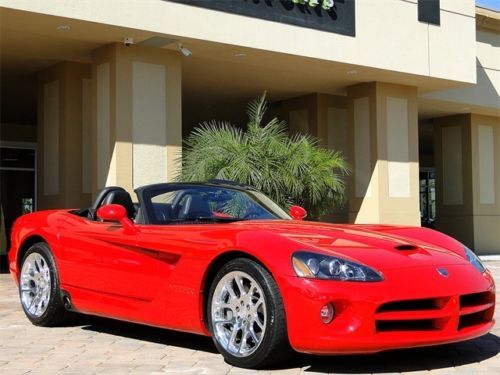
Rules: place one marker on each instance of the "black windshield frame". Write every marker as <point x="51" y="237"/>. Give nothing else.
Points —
<point x="146" y="194"/>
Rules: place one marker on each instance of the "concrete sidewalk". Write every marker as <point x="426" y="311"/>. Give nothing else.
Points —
<point x="96" y="345"/>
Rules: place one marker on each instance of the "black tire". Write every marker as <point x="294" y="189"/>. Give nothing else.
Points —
<point x="274" y="346"/>
<point x="55" y="313"/>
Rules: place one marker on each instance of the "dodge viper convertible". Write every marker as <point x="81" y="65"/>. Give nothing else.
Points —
<point x="223" y="260"/>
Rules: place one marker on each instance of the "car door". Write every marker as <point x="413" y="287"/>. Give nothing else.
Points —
<point x="183" y="254"/>
<point x="103" y="257"/>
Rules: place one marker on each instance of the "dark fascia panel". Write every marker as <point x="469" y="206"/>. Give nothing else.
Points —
<point x="429" y="11"/>
<point x="340" y="19"/>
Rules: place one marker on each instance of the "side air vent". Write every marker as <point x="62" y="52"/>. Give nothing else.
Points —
<point x="406" y="247"/>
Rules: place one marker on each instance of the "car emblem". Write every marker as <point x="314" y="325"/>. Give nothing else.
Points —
<point x="443" y="272"/>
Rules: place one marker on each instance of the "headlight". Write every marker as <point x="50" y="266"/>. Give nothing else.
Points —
<point x="474" y="259"/>
<point x="319" y="266"/>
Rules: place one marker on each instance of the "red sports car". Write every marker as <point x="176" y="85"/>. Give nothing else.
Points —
<point x="222" y="259"/>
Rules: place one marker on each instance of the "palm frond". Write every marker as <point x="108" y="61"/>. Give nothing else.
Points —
<point x="289" y="169"/>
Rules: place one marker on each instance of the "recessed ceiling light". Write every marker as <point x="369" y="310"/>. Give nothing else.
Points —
<point x="465" y="109"/>
<point x="240" y="55"/>
<point x="352" y="72"/>
<point x="63" y="27"/>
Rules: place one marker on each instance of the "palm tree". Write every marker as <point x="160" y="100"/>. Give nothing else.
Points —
<point x="289" y="169"/>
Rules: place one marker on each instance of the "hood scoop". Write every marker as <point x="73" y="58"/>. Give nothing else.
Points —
<point x="406" y="247"/>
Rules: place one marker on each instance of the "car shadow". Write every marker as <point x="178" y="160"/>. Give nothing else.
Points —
<point x="404" y="360"/>
<point x="145" y="333"/>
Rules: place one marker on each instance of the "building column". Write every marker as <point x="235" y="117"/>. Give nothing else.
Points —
<point x="63" y="136"/>
<point x="383" y="143"/>
<point x="324" y="116"/>
<point x="467" y="155"/>
<point x="137" y="119"/>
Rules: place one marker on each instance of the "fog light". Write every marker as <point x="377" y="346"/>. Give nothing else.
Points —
<point x="327" y="313"/>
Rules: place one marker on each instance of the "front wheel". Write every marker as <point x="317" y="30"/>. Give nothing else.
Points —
<point x="246" y="315"/>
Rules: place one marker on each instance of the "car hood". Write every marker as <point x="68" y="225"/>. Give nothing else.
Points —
<point x="383" y="247"/>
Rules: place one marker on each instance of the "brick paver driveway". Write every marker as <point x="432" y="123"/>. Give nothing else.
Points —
<point x="95" y="345"/>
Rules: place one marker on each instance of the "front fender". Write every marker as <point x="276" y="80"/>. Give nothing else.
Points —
<point x="30" y="229"/>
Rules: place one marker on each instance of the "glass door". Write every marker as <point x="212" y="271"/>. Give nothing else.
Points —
<point x="427" y="197"/>
<point x="17" y="188"/>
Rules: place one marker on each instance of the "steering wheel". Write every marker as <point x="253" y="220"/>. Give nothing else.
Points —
<point x="176" y="202"/>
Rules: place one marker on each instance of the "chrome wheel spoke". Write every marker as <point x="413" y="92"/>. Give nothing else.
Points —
<point x="253" y="335"/>
<point x="257" y="321"/>
<point x="239" y="283"/>
<point x="252" y="290"/>
<point x="232" y="345"/>
<point x="223" y="305"/>
<point x="224" y="321"/>
<point x="34" y="304"/>
<point x="35" y="284"/>
<point x="243" y="341"/>
<point x="230" y="290"/>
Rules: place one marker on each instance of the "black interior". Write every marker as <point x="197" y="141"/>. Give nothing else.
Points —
<point x="109" y="195"/>
<point x="163" y="211"/>
<point x="122" y="198"/>
<point x="194" y="206"/>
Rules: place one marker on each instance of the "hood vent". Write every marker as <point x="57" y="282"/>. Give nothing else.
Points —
<point x="405" y="247"/>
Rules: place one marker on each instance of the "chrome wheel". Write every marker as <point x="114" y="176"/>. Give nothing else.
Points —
<point x="238" y="314"/>
<point x="35" y="284"/>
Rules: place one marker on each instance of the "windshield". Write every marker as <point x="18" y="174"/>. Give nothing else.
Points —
<point x="212" y="203"/>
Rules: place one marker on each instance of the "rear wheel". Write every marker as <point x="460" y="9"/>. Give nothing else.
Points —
<point x="39" y="288"/>
<point x="246" y="315"/>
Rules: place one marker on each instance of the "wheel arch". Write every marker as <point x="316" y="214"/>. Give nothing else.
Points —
<point x="25" y="245"/>
<point x="211" y="271"/>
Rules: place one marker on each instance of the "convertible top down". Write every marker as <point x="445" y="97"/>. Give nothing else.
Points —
<point x="222" y="259"/>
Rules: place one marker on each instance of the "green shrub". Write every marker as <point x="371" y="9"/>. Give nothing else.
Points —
<point x="289" y="169"/>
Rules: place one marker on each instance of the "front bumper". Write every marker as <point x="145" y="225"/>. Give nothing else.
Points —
<point x="412" y="307"/>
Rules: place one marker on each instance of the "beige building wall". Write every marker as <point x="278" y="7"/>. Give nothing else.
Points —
<point x="62" y="118"/>
<point x="321" y="115"/>
<point x="301" y="114"/>
<point x="452" y="149"/>
<point x="325" y="117"/>
<point x="485" y="138"/>
<point x="485" y="95"/>
<point x="436" y="51"/>
<point x="467" y="149"/>
<point x="376" y="128"/>
<point x="137" y="116"/>
<point x="383" y="143"/>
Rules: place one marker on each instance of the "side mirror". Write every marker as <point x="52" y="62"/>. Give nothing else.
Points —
<point x="117" y="213"/>
<point x="298" y="213"/>
<point x="112" y="212"/>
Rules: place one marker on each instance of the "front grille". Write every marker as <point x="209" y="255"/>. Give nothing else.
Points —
<point x="406" y="325"/>
<point x="476" y="309"/>
<point x="452" y="313"/>
<point x="417" y="304"/>
<point x="476" y="299"/>
<point x="427" y="314"/>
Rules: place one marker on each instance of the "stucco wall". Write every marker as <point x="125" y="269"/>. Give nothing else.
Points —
<point x="388" y="33"/>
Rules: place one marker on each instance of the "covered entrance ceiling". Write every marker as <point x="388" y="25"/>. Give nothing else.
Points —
<point x="217" y="79"/>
